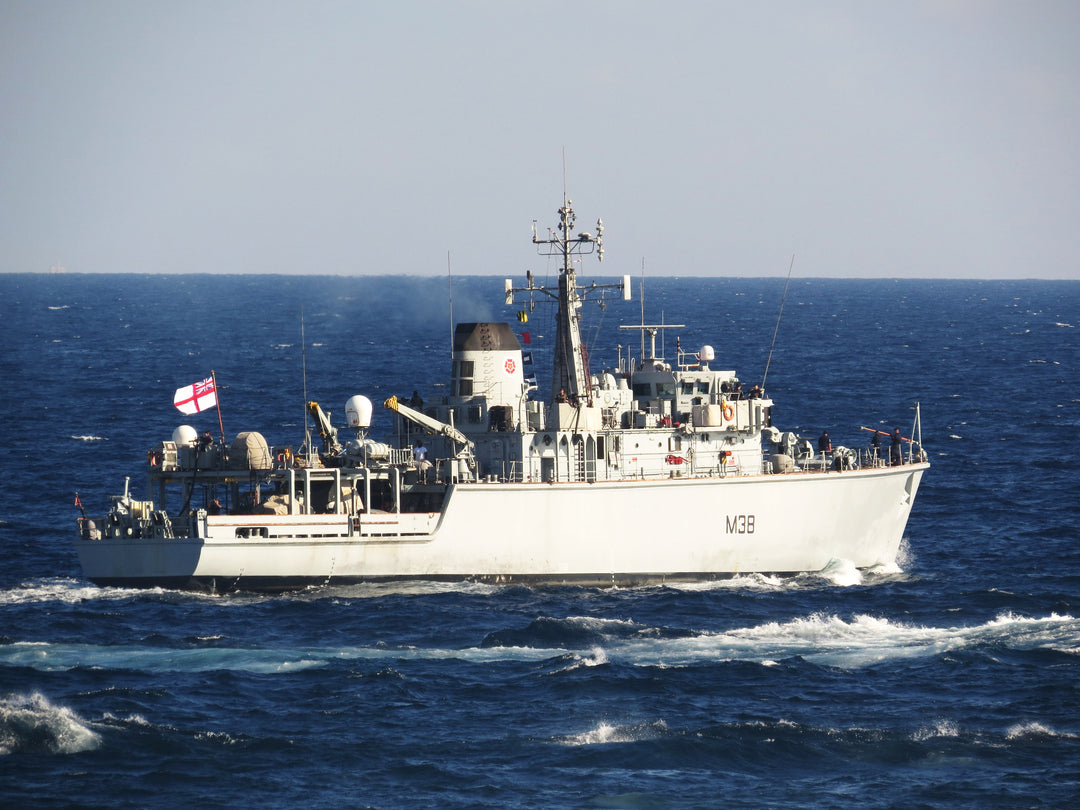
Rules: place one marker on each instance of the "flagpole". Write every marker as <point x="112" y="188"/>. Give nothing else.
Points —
<point x="217" y="402"/>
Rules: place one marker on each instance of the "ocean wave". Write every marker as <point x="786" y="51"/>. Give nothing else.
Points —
<point x="1033" y="730"/>
<point x="868" y="640"/>
<point x="89" y="438"/>
<point x="842" y="573"/>
<point x="59" y="589"/>
<point x="32" y="724"/>
<point x="605" y="734"/>
<point x="941" y="728"/>
<point x="742" y="582"/>
<point x="61" y="657"/>
<point x="819" y="639"/>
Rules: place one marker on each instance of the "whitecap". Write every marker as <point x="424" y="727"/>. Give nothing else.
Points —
<point x="741" y="582"/>
<point x="1034" y="730"/>
<point x="57" y="589"/>
<point x="842" y="573"/>
<point x="605" y="733"/>
<point x="596" y="657"/>
<point x="825" y="640"/>
<point x="849" y="644"/>
<point x="601" y="625"/>
<point x="33" y="724"/>
<point x="942" y="728"/>
<point x="89" y="438"/>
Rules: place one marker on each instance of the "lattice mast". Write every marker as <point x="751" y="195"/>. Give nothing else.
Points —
<point x="570" y="373"/>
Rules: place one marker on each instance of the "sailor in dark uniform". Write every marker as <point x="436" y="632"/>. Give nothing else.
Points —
<point x="824" y="444"/>
<point x="896" y="450"/>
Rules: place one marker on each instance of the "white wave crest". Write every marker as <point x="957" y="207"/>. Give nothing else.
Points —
<point x="32" y="724"/>
<point x="605" y="733"/>
<point x="601" y="625"/>
<point x="842" y="573"/>
<point x="1032" y="730"/>
<point x="826" y="640"/>
<point x="596" y="657"/>
<point x="88" y="438"/>
<point x="70" y="591"/>
<point x="942" y="728"/>
<point x="741" y="582"/>
<point x="850" y="644"/>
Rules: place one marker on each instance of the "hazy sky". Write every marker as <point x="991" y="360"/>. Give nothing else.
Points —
<point x="869" y="139"/>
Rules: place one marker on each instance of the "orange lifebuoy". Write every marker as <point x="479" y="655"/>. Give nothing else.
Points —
<point x="728" y="409"/>
<point x="154" y="458"/>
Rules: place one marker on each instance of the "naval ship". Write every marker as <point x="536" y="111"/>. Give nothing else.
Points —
<point x="651" y="471"/>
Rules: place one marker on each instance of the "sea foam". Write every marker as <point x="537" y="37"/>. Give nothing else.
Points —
<point x="33" y="724"/>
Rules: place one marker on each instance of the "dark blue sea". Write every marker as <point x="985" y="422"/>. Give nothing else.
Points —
<point x="951" y="681"/>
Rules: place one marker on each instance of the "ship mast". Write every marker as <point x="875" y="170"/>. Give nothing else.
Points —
<point x="570" y="372"/>
<point x="570" y="365"/>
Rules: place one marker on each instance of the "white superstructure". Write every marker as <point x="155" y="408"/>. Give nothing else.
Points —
<point x="649" y="471"/>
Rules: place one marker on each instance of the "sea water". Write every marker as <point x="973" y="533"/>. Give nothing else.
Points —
<point x="950" y="679"/>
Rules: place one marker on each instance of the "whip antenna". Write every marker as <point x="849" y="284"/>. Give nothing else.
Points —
<point x="303" y="374"/>
<point x="772" y="346"/>
<point x="450" y="287"/>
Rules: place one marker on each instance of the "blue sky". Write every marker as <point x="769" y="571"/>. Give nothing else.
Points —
<point x="868" y="139"/>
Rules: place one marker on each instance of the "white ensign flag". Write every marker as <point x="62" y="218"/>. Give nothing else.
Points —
<point x="197" y="397"/>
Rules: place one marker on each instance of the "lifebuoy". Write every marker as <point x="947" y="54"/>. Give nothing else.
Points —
<point x="154" y="458"/>
<point x="728" y="410"/>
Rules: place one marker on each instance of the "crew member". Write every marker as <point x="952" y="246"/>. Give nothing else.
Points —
<point x="896" y="450"/>
<point x="824" y="444"/>
<point x="420" y="461"/>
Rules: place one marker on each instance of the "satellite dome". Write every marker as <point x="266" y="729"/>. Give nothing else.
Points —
<point x="185" y="434"/>
<point x="707" y="354"/>
<point x="358" y="411"/>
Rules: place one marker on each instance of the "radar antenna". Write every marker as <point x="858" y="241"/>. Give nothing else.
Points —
<point x="570" y="371"/>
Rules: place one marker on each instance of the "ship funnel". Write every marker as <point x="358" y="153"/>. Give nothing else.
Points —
<point x="488" y="363"/>
<point x="358" y="411"/>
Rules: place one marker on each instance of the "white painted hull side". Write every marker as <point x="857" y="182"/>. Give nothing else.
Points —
<point x="602" y="532"/>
